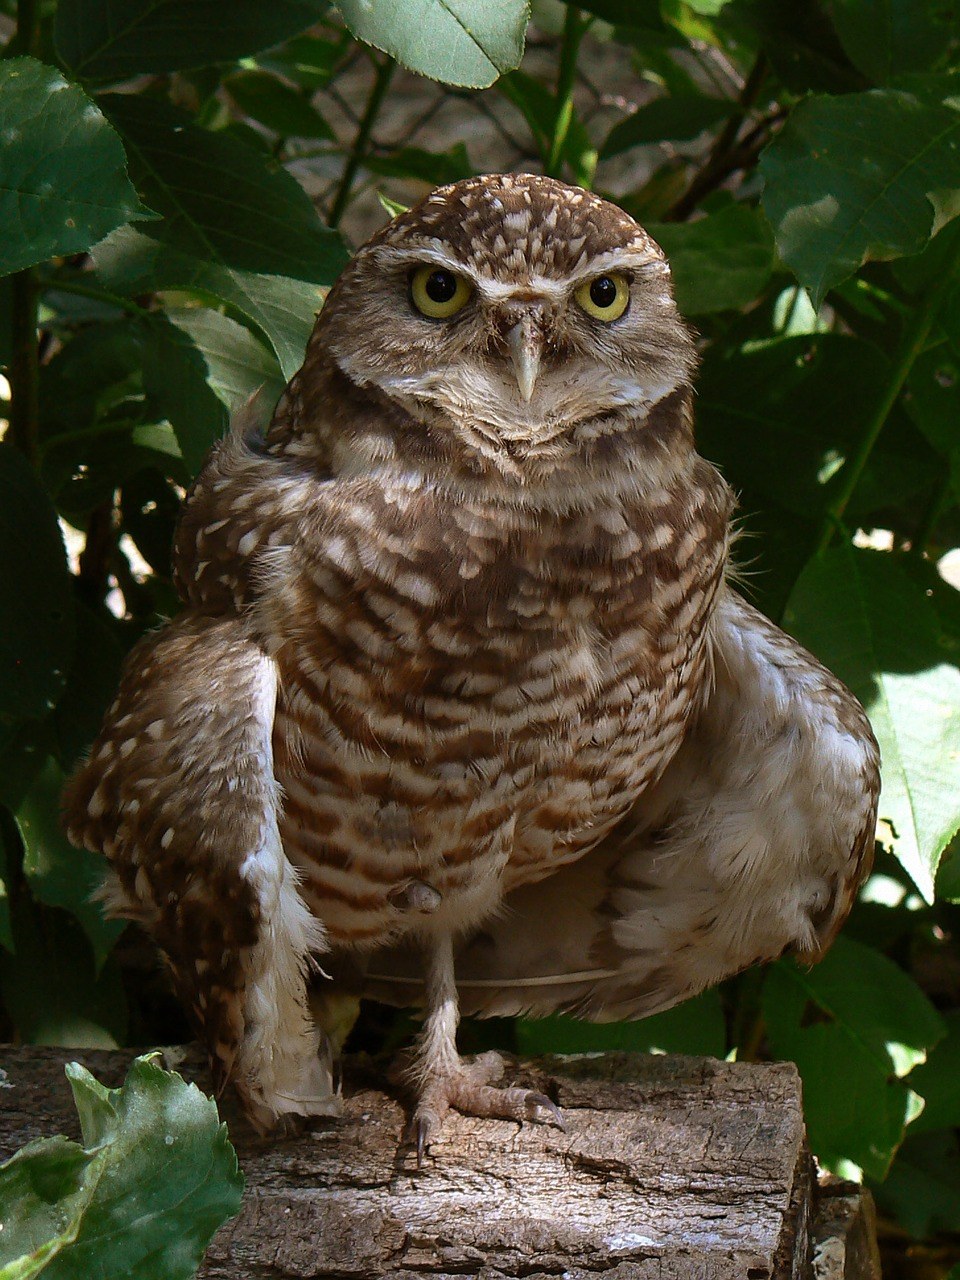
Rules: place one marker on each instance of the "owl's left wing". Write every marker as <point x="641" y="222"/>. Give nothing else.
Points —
<point x="179" y="793"/>
<point x="754" y="841"/>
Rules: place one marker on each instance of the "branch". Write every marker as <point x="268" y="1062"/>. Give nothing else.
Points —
<point x="381" y="83"/>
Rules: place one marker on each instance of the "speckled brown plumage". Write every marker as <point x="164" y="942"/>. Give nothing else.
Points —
<point x="459" y="665"/>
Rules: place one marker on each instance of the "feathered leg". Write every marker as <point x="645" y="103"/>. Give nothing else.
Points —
<point x="179" y="793"/>
<point x="443" y="1080"/>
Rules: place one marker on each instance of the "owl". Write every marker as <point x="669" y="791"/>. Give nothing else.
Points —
<point x="461" y="703"/>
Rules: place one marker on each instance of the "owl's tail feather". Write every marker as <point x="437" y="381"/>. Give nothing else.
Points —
<point x="753" y="842"/>
<point x="179" y="793"/>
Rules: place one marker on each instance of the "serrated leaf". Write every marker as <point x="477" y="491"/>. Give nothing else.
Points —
<point x="114" y="39"/>
<point x="667" y="120"/>
<point x="254" y="243"/>
<point x="58" y="874"/>
<point x="857" y="1008"/>
<point x="157" y="1179"/>
<point x="63" y="175"/>
<point x="697" y="1027"/>
<point x="858" y="177"/>
<point x="720" y="262"/>
<point x="36" y="639"/>
<point x="878" y="631"/>
<point x="463" y="42"/>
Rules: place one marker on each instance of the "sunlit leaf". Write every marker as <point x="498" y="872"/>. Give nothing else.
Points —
<point x="141" y="1198"/>
<point x="856" y="1008"/>
<point x="465" y="42"/>
<point x="858" y="177"/>
<point x="877" y="630"/>
<point x="63" y="175"/>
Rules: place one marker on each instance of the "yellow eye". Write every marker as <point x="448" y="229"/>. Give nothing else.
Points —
<point x="604" y="297"/>
<point x="439" y="293"/>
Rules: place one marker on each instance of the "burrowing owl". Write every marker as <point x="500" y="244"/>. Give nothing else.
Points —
<point x="459" y="675"/>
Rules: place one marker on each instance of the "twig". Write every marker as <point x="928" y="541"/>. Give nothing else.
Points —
<point x="727" y="155"/>
<point x="381" y="82"/>
<point x="915" y="336"/>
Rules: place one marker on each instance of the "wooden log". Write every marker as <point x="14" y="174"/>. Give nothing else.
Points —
<point x="675" y="1168"/>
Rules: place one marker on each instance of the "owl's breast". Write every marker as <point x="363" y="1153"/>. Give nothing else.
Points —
<point x="470" y="741"/>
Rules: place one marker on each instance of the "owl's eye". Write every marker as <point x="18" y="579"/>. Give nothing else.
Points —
<point x="604" y="297"/>
<point x="439" y="293"/>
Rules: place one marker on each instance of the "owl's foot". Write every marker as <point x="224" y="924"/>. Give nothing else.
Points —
<point x="468" y="1088"/>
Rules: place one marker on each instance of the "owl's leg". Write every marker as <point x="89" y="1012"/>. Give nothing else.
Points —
<point x="443" y="1080"/>
<point x="179" y="793"/>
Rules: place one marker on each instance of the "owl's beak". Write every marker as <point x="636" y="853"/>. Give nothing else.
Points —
<point x="525" y="341"/>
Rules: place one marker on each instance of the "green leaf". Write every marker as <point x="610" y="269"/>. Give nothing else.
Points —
<point x="264" y="97"/>
<point x="667" y="120"/>
<point x="308" y="61"/>
<point x="156" y="1178"/>
<point x="696" y="1026"/>
<point x="463" y="42"/>
<point x="63" y="176"/>
<point x="878" y="631"/>
<point x="58" y="874"/>
<point x="51" y="988"/>
<point x="254" y="243"/>
<point x="719" y="262"/>
<point x="854" y="1008"/>
<point x="539" y="108"/>
<point x="783" y="417"/>
<point x="938" y="1082"/>
<point x="200" y="367"/>
<point x="858" y="177"/>
<point x="36" y="639"/>
<point x="922" y="1190"/>
<point x="6" y="922"/>
<point x="886" y="37"/>
<point x="114" y="39"/>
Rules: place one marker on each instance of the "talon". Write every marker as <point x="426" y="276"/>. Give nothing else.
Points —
<point x="423" y="1132"/>
<point x="535" y="1100"/>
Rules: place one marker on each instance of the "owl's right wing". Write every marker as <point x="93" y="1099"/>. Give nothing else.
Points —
<point x="179" y="793"/>
<point x="753" y="842"/>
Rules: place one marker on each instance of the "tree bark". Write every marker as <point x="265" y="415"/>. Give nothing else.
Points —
<point x="675" y="1168"/>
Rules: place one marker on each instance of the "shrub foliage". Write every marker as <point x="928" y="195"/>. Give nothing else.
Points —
<point x="172" y="182"/>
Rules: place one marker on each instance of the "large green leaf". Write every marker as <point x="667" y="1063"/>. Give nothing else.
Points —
<point x="114" y="39"/>
<point x="36" y="639"/>
<point x="154" y="1179"/>
<point x="252" y="240"/>
<point x="877" y="629"/>
<point x="855" y="1008"/>
<point x="63" y="177"/>
<point x="719" y="262"/>
<point x="465" y="42"/>
<point x="266" y="98"/>
<point x="59" y="874"/>
<point x="886" y="37"/>
<point x="857" y="177"/>
<point x="200" y="367"/>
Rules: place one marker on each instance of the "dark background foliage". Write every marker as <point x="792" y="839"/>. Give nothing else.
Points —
<point x="179" y="184"/>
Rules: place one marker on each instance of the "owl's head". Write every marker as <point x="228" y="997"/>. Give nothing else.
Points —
<point x="515" y="309"/>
